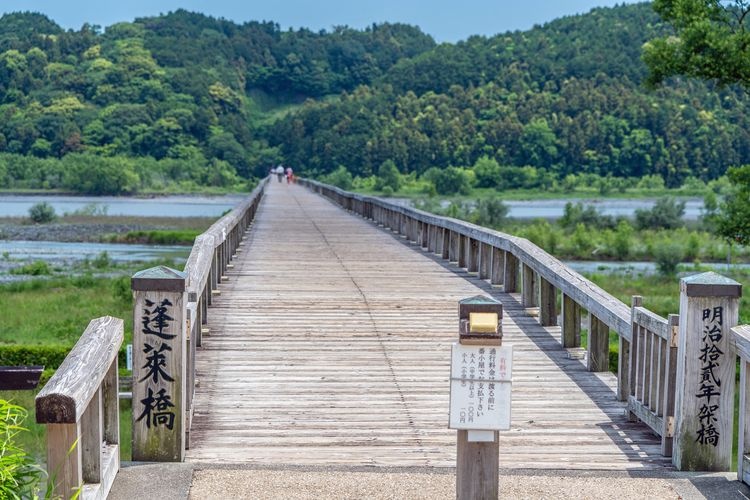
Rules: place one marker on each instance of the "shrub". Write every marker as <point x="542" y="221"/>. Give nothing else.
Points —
<point x="42" y="213"/>
<point x="37" y="268"/>
<point x="20" y="476"/>
<point x="452" y="180"/>
<point x="490" y="212"/>
<point x="388" y="176"/>
<point x="340" y="178"/>
<point x="668" y="256"/>
<point x="665" y="214"/>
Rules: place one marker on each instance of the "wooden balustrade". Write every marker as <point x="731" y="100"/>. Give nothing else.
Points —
<point x="80" y="408"/>
<point x="652" y="368"/>
<point x="741" y="338"/>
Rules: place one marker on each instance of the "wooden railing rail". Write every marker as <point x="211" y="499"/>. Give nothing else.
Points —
<point x="741" y="338"/>
<point x="653" y="374"/>
<point x="80" y="408"/>
<point x="502" y="258"/>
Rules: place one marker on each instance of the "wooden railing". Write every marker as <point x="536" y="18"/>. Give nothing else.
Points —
<point x="80" y="408"/>
<point x="741" y="338"/>
<point x="507" y="260"/>
<point x="653" y="374"/>
<point x="669" y="370"/>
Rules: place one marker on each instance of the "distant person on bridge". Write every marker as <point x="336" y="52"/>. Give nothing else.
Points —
<point x="280" y="172"/>
<point x="289" y="175"/>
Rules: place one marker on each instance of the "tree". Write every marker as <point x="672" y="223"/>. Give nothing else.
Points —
<point x="733" y="223"/>
<point x="388" y="176"/>
<point x="711" y="42"/>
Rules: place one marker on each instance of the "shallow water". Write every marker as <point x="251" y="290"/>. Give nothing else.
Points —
<point x="67" y="257"/>
<point x="162" y="206"/>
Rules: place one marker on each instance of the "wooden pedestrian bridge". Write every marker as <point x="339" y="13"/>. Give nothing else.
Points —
<point x="312" y="326"/>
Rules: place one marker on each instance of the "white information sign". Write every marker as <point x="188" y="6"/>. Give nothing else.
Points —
<point x="480" y="387"/>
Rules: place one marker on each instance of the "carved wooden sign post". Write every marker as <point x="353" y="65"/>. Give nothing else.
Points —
<point x="704" y="403"/>
<point x="159" y="351"/>
<point x="480" y="395"/>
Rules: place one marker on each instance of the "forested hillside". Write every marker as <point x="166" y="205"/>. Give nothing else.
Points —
<point x="564" y="98"/>
<point x="166" y="100"/>
<point x="184" y="100"/>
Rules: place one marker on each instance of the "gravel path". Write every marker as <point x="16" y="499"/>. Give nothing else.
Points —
<point x="557" y="485"/>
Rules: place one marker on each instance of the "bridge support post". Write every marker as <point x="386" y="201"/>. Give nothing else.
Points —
<point x="159" y="365"/>
<point x="704" y="401"/>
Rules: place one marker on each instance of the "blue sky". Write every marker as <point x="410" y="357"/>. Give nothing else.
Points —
<point x="445" y="20"/>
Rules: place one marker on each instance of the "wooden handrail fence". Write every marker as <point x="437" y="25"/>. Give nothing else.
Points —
<point x="651" y="374"/>
<point x="79" y="404"/>
<point x="80" y="408"/>
<point x="669" y="370"/>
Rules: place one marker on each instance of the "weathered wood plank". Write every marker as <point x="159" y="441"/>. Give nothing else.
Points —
<point x="339" y="354"/>
<point x="65" y="397"/>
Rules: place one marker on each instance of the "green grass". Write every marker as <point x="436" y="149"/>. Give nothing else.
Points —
<point x="57" y="311"/>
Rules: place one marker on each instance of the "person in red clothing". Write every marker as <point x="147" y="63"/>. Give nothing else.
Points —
<point x="289" y="175"/>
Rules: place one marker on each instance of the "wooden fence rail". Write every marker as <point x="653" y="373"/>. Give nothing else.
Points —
<point x="653" y="374"/>
<point x="80" y="407"/>
<point x="741" y="338"/>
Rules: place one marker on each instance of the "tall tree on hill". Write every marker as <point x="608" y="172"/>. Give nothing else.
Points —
<point x="711" y="42"/>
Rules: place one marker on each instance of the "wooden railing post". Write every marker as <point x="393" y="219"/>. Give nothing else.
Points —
<point x="547" y="303"/>
<point x="485" y="261"/>
<point x="80" y="409"/>
<point x="704" y="403"/>
<point x="497" y="267"/>
<point x="528" y="287"/>
<point x="159" y="365"/>
<point x="463" y="250"/>
<point x="571" y="322"/>
<point x="472" y="258"/>
<point x="510" y="273"/>
<point x="598" y="345"/>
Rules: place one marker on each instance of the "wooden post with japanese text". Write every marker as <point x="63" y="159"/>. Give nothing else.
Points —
<point x="480" y="391"/>
<point x="159" y="361"/>
<point x="706" y="359"/>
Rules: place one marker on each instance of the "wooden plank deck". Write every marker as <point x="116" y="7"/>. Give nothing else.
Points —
<point x="330" y="345"/>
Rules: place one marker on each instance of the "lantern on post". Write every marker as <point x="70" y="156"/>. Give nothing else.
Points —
<point x="480" y="395"/>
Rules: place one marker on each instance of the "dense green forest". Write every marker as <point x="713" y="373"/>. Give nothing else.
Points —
<point x="183" y="101"/>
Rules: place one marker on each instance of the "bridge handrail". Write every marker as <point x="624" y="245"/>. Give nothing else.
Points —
<point x="653" y="371"/>
<point x="741" y="339"/>
<point x="199" y="261"/>
<point x="608" y="309"/>
<point x="80" y="407"/>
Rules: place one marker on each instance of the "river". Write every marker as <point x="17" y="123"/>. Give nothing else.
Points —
<point x="554" y="208"/>
<point x="161" y="206"/>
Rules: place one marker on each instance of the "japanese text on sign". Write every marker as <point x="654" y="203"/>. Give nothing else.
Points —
<point x="480" y="387"/>
<point x="709" y="384"/>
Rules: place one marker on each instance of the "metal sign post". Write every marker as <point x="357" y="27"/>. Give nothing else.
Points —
<point x="480" y="395"/>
